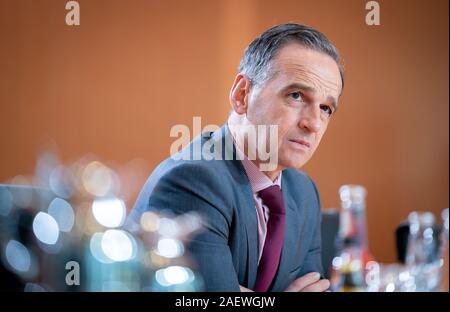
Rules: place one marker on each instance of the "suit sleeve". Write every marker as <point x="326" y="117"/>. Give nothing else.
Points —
<point x="313" y="260"/>
<point x="188" y="188"/>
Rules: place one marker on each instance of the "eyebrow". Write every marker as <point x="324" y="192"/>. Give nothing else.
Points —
<point x="312" y="90"/>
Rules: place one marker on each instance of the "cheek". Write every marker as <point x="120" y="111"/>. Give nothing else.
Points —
<point x="287" y="121"/>
<point x="321" y="133"/>
<point x="288" y="126"/>
<point x="266" y="109"/>
<point x="273" y="111"/>
<point x="317" y="140"/>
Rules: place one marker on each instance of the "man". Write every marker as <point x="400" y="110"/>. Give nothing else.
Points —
<point x="262" y="227"/>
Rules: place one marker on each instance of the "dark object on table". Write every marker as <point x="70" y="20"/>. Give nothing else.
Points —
<point x="330" y="229"/>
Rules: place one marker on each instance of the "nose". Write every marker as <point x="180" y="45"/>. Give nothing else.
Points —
<point x="310" y="118"/>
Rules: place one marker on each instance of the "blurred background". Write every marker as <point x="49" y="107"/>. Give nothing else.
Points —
<point x="115" y="85"/>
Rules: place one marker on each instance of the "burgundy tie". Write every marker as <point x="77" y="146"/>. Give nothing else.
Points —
<point x="268" y="265"/>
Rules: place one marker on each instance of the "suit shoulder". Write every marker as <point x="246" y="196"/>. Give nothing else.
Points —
<point x="204" y="169"/>
<point x="210" y="180"/>
<point x="301" y="183"/>
<point x="301" y="178"/>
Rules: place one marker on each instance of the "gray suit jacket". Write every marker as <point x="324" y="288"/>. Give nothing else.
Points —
<point x="226" y="251"/>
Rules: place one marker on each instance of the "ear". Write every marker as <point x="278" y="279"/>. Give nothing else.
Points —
<point x="239" y="94"/>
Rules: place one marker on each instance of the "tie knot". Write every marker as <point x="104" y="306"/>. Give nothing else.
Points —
<point x="273" y="198"/>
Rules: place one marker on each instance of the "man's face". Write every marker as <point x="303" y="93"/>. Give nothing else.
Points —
<point x="300" y="98"/>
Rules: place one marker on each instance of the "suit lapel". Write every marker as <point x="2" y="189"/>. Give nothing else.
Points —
<point x="251" y="228"/>
<point x="246" y="206"/>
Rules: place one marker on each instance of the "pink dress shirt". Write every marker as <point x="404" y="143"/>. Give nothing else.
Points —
<point x="258" y="181"/>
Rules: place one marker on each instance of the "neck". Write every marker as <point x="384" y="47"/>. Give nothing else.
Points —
<point x="241" y="140"/>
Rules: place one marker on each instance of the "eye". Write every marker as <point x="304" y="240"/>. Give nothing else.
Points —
<point x="327" y="109"/>
<point x="296" y="96"/>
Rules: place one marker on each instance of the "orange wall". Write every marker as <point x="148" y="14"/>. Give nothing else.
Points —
<point x="116" y="84"/>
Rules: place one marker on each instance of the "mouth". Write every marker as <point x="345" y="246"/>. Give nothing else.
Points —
<point x="301" y="143"/>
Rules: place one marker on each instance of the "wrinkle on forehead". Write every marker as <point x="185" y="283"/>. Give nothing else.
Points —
<point x="319" y="77"/>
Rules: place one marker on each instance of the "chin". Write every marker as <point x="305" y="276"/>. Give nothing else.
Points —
<point x="293" y="160"/>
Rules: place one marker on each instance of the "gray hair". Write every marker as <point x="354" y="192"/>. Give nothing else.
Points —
<point x="257" y="56"/>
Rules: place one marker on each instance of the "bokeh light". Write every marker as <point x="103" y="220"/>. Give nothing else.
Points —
<point x="18" y="256"/>
<point x="118" y="245"/>
<point x="61" y="182"/>
<point x="150" y="221"/>
<point x="95" y="246"/>
<point x="97" y="179"/>
<point x="63" y="214"/>
<point x="109" y="212"/>
<point x="170" y="248"/>
<point x="45" y="228"/>
<point x="168" y="227"/>
<point x="174" y="275"/>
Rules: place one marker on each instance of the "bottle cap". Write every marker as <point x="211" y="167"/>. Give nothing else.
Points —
<point x="352" y="195"/>
<point x="418" y="220"/>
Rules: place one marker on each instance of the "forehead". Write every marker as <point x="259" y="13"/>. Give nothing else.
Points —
<point x="297" y="64"/>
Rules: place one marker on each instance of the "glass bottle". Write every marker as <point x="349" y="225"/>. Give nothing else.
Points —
<point x="422" y="255"/>
<point x="349" y="265"/>
<point x="444" y="251"/>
